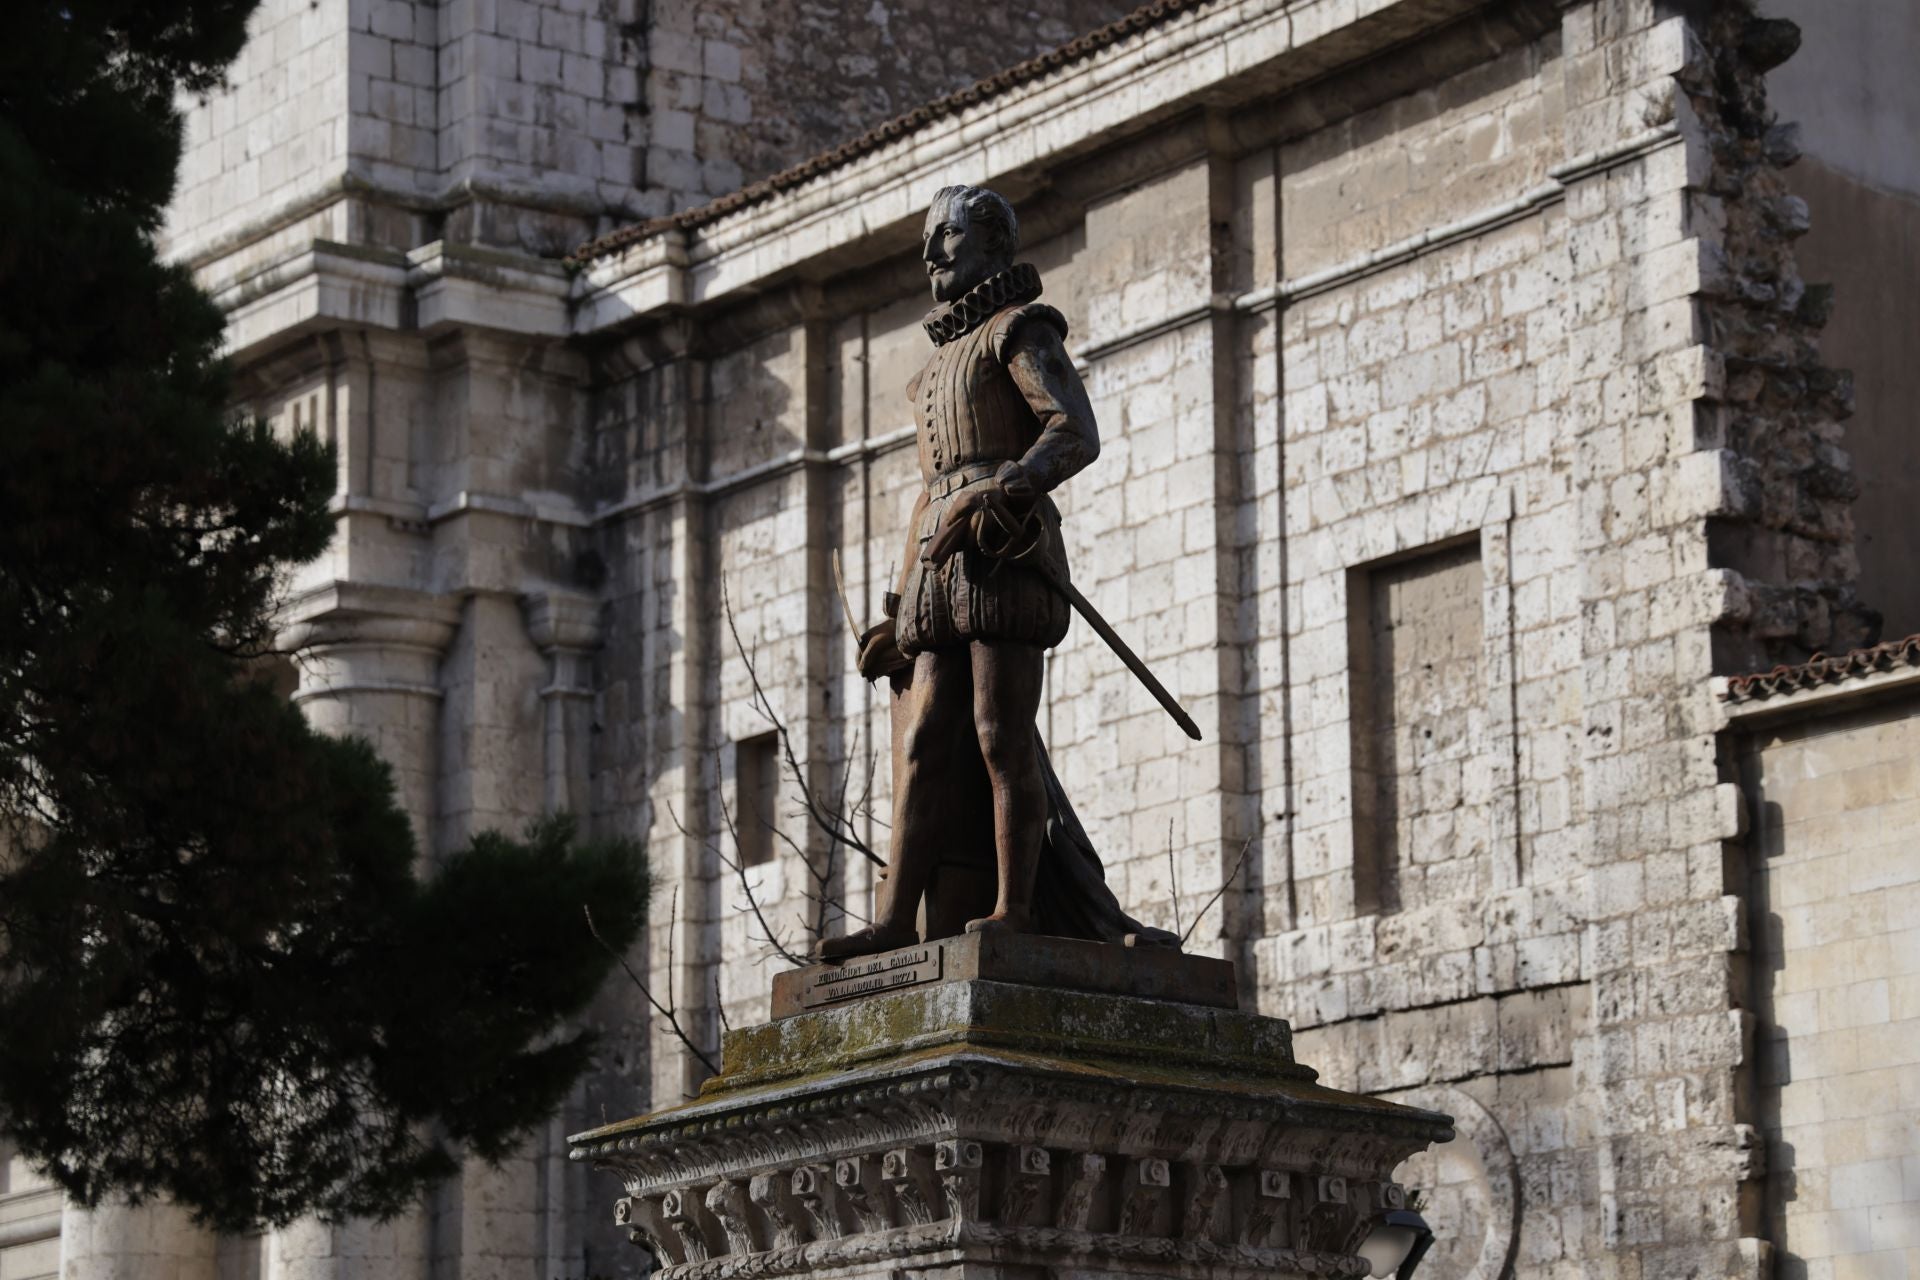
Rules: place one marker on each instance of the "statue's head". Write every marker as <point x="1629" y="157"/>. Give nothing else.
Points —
<point x="971" y="233"/>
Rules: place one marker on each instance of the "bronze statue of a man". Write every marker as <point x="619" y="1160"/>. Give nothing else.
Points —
<point x="982" y="836"/>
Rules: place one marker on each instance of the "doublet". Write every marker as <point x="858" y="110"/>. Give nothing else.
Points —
<point x="971" y="419"/>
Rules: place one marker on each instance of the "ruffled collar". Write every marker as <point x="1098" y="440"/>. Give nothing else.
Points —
<point x="1017" y="284"/>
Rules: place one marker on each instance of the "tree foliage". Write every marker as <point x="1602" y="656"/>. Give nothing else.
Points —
<point x="221" y="979"/>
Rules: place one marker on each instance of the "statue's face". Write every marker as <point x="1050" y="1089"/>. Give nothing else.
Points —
<point x="958" y="255"/>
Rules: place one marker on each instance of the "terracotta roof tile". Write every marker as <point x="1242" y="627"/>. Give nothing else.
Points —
<point x="1823" y="670"/>
<point x="1140" y="19"/>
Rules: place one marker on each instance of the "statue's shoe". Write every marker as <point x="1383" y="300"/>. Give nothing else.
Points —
<point x="863" y="942"/>
<point x="1003" y="922"/>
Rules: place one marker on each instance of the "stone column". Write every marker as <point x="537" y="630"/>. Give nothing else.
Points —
<point x="566" y="629"/>
<point x="119" y="1241"/>
<point x="369" y="662"/>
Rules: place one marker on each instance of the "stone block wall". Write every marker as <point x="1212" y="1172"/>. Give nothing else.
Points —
<point x="277" y="135"/>
<point x="736" y="90"/>
<point x="1834" y="909"/>
<point x="537" y="124"/>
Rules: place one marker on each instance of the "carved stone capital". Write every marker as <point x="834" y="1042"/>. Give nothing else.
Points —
<point x="566" y="628"/>
<point x="352" y="637"/>
<point x="562" y="620"/>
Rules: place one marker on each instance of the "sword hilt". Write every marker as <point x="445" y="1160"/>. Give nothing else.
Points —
<point x="995" y="515"/>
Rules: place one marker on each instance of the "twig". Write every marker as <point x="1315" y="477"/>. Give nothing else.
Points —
<point x="1173" y="880"/>
<point x="1232" y="875"/>
<point x="666" y="1011"/>
<point x="832" y="815"/>
<point x="836" y="827"/>
<point x="738" y="865"/>
<point x="739" y="869"/>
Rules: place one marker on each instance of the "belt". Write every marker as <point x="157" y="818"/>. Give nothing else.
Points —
<point x="962" y="476"/>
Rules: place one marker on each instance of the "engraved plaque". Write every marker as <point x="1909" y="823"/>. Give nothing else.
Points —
<point x="872" y="976"/>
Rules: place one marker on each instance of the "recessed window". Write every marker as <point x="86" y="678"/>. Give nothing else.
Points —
<point x="756" y="772"/>
<point x="1421" y="820"/>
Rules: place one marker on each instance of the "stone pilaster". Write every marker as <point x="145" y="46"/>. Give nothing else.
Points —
<point x="566" y="630"/>
<point x="369" y="662"/>
<point x="368" y="659"/>
<point x="154" y="1241"/>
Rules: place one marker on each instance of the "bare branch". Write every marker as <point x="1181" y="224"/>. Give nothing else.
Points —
<point x="1232" y="875"/>
<point x="832" y="824"/>
<point x="1173" y="879"/>
<point x="666" y="1011"/>
<point x="739" y="869"/>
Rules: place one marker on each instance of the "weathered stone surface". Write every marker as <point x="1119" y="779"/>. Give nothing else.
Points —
<point x="1066" y="964"/>
<point x="977" y="1123"/>
<point x="1026" y="1017"/>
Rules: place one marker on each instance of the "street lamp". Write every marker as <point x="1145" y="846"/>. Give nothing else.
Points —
<point x="1397" y="1242"/>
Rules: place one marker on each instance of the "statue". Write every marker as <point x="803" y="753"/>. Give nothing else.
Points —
<point x="983" y="838"/>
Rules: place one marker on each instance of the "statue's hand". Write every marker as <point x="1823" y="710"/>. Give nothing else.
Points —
<point x="880" y="651"/>
<point x="1004" y="502"/>
<point x="956" y="525"/>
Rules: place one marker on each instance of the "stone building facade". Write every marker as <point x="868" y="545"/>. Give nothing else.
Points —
<point x="1466" y="426"/>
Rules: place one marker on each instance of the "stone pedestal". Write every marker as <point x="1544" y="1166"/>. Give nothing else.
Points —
<point x="1008" y="1107"/>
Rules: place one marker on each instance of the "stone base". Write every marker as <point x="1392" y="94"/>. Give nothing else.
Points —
<point x="969" y="1128"/>
<point x="1028" y="959"/>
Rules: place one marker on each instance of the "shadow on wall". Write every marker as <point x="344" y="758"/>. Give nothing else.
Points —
<point x="1850" y="89"/>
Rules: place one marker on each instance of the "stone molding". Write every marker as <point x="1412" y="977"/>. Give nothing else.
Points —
<point x="1062" y="1111"/>
<point x="1226" y="1262"/>
<point x="365" y="638"/>
<point x="439" y="287"/>
<point x="802" y="1211"/>
<point x="31" y="1230"/>
<point x="562" y="622"/>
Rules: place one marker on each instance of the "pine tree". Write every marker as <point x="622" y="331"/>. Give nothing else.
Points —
<point x="220" y="978"/>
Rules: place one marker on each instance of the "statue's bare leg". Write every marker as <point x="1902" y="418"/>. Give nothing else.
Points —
<point x="938" y="710"/>
<point x="1007" y="683"/>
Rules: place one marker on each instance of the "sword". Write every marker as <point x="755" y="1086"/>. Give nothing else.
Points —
<point x="1030" y="556"/>
<point x="1084" y="607"/>
<point x="840" y="585"/>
